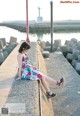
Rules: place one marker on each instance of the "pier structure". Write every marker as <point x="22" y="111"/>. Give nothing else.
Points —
<point x="29" y="96"/>
<point x="44" y="27"/>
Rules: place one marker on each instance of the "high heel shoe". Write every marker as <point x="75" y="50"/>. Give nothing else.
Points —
<point x="60" y="82"/>
<point x="50" y="94"/>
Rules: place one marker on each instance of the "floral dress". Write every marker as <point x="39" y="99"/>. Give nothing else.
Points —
<point x="28" y="71"/>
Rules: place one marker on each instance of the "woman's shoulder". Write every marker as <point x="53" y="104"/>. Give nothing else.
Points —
<point x="19" y="55"/>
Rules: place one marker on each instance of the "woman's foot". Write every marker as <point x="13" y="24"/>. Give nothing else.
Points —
<point x="50" y="94"/>
<point x="60" y="82"/>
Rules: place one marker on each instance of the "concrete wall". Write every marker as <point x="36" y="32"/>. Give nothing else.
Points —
<point x="22" y="97"/>
<point x="46" y="104"/>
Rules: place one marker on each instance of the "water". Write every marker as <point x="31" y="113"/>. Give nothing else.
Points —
<point x="7" y="32"/>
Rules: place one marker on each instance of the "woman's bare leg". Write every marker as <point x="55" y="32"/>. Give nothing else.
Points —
<point x="50" y="80"/>
<point x="49" y="93"/>
<point x="45" y="84"/>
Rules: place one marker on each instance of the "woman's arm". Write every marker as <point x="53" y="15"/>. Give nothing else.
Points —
<point x="19" y="58"/>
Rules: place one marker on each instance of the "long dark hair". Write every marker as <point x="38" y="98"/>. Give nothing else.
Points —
<point x="24" y="46"/>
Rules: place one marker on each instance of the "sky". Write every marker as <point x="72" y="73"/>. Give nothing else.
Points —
<point x="16" y="10"/>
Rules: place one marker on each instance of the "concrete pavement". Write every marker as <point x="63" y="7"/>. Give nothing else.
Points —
<point x="67" y="101"/>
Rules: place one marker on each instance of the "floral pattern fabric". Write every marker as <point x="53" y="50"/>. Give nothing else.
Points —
<point x="29" y="72"/>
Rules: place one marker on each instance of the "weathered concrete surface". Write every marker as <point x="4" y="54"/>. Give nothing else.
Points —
<point x="67" y="101"/>
<point x="12" y="91"/>
<point x="22" y="97"/>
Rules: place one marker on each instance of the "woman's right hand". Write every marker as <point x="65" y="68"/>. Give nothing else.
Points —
<point x="19" y="78"/>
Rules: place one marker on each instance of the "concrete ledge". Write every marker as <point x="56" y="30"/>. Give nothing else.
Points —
<point x="22" y="97"/>
<point x="14" y="92"/>
<point x="46" y="103"/>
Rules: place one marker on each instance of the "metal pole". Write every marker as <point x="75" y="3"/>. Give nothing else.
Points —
<point x="51" y="3"/>
<point x="27" y="24"/>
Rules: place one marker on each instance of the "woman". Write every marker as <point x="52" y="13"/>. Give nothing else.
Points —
<point x="29" y="72"/>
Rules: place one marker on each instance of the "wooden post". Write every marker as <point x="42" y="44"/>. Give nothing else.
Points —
<point x="51" y="30"/>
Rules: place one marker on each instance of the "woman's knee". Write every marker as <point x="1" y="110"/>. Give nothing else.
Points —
<point x="43" y="78"/>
